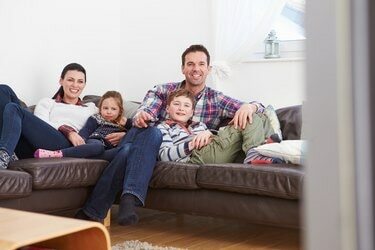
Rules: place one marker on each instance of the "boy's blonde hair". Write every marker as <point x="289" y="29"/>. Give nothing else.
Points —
<point x="118" y="98"/>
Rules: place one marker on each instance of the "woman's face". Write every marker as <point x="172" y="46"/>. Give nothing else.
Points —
<point x="73" y="83"/>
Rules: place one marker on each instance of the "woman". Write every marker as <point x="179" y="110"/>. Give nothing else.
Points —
<point x="55" y="123"/>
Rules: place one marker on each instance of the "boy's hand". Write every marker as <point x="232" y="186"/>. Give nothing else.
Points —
<point x="201" y="139"/>
<point x="141" y="119"/>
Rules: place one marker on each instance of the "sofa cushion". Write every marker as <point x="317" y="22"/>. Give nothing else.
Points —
<point x="290" y="151"/>
<point x="291" y="122"/>
<point x="14" y="184"/>
<point x="276" y="180"/>
<point x="174" y="175"/>
<point x="61" y="172"/>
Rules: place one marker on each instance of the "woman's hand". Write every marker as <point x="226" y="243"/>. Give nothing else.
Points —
<point x="75" y="139"/>
<point x="115" y="138"/>
<point x="200" y="140"/>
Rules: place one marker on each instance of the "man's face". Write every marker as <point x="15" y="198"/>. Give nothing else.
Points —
<point x="196" y="68"/>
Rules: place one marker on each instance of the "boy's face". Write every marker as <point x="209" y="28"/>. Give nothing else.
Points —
<point x="180" y="109"/>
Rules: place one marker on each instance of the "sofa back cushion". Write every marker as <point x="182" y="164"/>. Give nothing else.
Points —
<point x="290" y="122"/>
<point x="290" y="117"/>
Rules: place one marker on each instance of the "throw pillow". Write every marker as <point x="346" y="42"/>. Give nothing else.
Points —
<point x="270" y="112"/>
<point x="291" y="151"/>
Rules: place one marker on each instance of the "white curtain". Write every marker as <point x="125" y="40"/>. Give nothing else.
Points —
<point x="240" y="25"/>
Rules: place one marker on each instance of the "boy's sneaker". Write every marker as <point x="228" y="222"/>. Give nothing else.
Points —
<point x="253" y="157"/>
<point x="273" y="138"/>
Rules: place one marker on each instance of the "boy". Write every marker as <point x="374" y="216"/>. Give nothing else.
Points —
<point x="187" y="141"/>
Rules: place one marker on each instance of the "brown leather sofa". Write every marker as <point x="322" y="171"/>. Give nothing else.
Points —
<point x="266" y="194"/>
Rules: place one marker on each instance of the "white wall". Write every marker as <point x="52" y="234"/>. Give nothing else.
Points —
<point x="271" y="81"/>
<point x="124" y="45"/>
<point x="39" y="37"/>
<point x="153" y="36"/>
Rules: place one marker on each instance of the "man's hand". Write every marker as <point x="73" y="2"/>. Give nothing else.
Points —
<point x="141" y="119"/>
<point x="243" y="115"/>
<point x="115" y="138"/>
<point x="75" y="139"/>
<point x="200" y="140"/>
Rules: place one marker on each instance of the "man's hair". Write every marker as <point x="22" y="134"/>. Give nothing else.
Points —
<point x="181" y="92"/>
<point x="195" y="48"/>
<point x="118" y="98"/>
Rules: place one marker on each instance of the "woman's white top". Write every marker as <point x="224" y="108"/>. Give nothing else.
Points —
<point x="57" y="113"/>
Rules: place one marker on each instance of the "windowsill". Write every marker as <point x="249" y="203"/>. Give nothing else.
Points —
<point x="268" y="60"/>
<point x="287" y="56"/>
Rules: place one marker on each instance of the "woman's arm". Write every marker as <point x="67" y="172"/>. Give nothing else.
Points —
<point x="89" y="127"/>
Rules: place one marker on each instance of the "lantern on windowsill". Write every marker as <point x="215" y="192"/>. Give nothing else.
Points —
<point x="271" y="46"/>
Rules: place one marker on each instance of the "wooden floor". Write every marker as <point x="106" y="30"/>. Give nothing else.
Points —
<point x="198" y="232"/>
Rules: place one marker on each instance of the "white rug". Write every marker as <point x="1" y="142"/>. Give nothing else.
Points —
<point x="139" y="245"/>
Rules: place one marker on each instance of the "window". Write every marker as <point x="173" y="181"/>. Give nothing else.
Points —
<point x="290" y="25"/>
<point x="290" y="31"/>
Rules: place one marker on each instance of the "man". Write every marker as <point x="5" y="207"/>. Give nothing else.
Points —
<point x="212" y="106"/>
<point x="132" y="167"/>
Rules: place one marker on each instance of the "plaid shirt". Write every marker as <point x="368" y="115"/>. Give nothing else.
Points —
<point x="211" y="107"/>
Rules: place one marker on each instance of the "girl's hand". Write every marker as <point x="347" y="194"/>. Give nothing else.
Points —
<point x="115" y="138"/>
<point x="201" y="139"/>
<point x="76" y="139"/>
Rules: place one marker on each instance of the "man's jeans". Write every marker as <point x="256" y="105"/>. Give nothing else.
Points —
<point x="23" y="129"/>
<point x="130" y="171"/>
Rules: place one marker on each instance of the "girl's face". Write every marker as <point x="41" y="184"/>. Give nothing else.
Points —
<point x="73" y="83"/>
<point x="180" y="109"/>
<point x="110" y="109"/>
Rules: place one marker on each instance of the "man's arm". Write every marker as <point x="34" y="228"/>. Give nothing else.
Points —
<point x="151" y="106"/>
<point x="240" y="112"/>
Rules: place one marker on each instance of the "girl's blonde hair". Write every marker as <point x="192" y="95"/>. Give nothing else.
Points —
<point x="118" y="98"/>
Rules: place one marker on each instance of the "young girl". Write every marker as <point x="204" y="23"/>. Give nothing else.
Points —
<point x="187" y="141"/>
<point x="109" y="120"/>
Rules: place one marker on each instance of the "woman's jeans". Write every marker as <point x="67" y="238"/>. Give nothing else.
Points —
<point x="129" y="171"/>
<point x="19" y="127"/>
